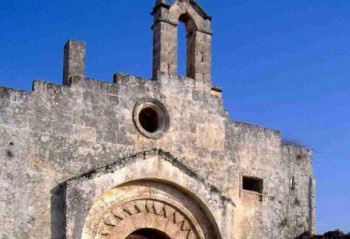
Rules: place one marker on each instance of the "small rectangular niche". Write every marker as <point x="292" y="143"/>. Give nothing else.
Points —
<point x="253" y="184"/>
<point x="292" y="183"/>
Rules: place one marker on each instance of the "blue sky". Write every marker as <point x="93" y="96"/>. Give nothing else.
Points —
<point x="282" y="64"/>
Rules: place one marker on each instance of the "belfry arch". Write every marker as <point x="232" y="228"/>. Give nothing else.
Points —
<point x="165" y="39"/>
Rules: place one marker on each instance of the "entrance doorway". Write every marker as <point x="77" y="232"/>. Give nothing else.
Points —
<point x="147" y="234"/>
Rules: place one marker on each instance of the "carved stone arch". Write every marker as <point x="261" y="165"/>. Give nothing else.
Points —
<point x="182" y="11"/>
<point x="152" y="185"/>
<point x="166" y="20"/>
<point x="147" y="204"/>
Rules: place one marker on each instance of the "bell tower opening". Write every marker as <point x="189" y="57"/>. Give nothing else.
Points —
<point x="147" y="233"/>
<point x="186" y="29"/>
<point x="168" y="34"/>
<point x="182" y="49"/>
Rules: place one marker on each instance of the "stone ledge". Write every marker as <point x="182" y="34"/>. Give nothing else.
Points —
<point x="254" y="127"/>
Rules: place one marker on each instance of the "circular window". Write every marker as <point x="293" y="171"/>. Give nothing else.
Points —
<point x="151" y="118"/>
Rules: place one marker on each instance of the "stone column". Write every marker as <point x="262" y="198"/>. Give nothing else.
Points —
<point x="73" y="61"/>
<point x="164" y="41"/>
<point x="199" y="56"/>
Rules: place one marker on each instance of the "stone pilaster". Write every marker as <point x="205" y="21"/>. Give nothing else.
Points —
<point x="73" y="61"/>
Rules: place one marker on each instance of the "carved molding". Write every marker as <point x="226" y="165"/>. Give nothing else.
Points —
<point x="124" y="210"/>
<point x="147" y="213"/>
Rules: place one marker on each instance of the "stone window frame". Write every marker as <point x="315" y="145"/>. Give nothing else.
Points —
<point x="258" y="180"/>
<point x="162" y="113"/>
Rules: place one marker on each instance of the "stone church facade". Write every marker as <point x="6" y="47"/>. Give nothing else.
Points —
<point x="140" y="158"/>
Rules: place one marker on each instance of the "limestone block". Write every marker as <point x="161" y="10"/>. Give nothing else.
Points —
<point x="74" y="60"/>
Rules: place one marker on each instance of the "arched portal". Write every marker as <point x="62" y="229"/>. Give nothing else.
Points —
<point x="146" y="209"/>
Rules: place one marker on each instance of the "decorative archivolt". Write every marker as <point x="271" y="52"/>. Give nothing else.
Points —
<point x="145" y="213"/>
<point x="124" y="210"/>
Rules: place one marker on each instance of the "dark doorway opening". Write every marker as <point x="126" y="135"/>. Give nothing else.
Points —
<point x="148" y="234"/>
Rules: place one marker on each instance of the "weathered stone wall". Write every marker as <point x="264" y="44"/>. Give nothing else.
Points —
<point x="61" y="147"/>
<point x="56" y="133"/>
<point x="301" y="211"/>
<point x="280" y="210"/>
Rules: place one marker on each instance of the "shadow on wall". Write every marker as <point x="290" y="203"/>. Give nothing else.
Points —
<point x="337" y="234"/>
<point x="58" y="212"/>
